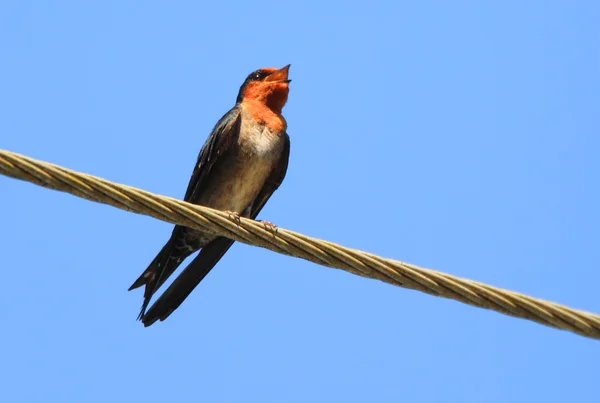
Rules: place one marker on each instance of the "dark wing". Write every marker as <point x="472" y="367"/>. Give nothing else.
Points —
<point x="224" y="134"/>
<point x="209" y="255"/>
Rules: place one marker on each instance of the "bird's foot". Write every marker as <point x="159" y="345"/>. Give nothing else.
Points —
<point x="234" y="216"/>
<point x="269" y="226"/>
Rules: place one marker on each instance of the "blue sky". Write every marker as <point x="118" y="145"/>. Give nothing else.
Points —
<point x="460" y="136"/>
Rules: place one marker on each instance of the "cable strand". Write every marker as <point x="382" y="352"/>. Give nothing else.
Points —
<point x="287" y="242"/>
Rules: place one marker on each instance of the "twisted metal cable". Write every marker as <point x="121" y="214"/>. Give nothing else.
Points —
<point x="291" y="243"/>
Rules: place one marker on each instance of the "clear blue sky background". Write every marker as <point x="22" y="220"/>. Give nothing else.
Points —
<point x="459" y="136"/>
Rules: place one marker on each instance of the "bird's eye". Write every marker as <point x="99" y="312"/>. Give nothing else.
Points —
<point x="257" y="76"/>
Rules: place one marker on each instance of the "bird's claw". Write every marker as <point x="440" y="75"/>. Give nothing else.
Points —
<point x="269" y="226"/>
<point x="234" y="216"/>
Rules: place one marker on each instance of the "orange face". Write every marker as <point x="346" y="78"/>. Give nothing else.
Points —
<point x="268" y="86"/>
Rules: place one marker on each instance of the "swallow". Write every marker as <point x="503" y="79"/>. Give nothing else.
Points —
<point x="243" y="161"/>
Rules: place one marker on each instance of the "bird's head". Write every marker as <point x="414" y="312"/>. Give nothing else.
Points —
<point x="269" y="86"/>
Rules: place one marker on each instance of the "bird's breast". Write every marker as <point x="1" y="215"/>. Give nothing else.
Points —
<point x="259" y="143"/>
<point x="239" y="177"/>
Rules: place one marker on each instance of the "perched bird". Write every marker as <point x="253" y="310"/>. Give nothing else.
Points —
<point x="243" y="161"/>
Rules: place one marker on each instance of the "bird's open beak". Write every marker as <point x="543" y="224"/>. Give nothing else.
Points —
<point x="279" y="76"/>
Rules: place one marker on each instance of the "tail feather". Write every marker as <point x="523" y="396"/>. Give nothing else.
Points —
<point x="159" y="261"/>
<point x="159" y="270"/>
<point x="186" y="282"/>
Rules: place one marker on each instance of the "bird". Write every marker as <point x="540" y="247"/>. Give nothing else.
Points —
<point x="243" y="161"/>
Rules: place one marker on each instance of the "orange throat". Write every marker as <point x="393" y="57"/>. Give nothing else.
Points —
<point x="264" y="103"/>
<point x="264" y="115"/>
<point x="272" y="95"/>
